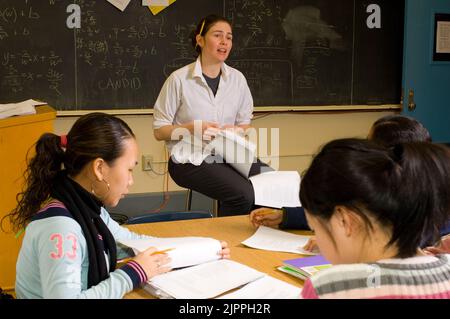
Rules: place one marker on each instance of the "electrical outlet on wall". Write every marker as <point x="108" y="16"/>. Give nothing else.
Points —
<point x="147" y="162"/>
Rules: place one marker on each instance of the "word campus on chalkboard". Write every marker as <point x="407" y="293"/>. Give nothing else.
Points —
<point x="292" y="52"/>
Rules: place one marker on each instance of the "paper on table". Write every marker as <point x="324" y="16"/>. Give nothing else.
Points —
<point x="267" y="238"/>
<point x="21" y="108"/>
<point x="120" y="4"/>
<point x="265" y="288"/>
<point x="277" y="189"/>
<point x="206" y="280"/>
<point x="187" y="251"/>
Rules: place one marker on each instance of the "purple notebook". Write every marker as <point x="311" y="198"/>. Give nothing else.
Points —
<point x="307" y="261"/>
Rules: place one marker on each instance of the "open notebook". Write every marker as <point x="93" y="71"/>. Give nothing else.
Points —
<point x="200" y="274"/>
<point x="184" y="251"/>
<point x="203" y="281"/>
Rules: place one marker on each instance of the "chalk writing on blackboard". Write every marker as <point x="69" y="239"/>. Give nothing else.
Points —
<point x="292" y="52"/>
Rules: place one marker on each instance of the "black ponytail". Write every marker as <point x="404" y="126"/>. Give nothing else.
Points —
<point x="94" y="135"/>
<point x="39" y="175"/>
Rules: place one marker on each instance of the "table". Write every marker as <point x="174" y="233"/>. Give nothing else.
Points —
<point x="233" y="230"/>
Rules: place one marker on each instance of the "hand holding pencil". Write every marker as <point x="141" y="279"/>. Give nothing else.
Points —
<point x="266" y="216"/>
<point x="153" y="261"/>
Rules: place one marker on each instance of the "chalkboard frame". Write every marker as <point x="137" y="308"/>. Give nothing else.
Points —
<point x="371" y="106"/>
<point x="326" y="109"/>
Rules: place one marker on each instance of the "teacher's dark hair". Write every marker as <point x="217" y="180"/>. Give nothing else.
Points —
<point x="203" y="27"/>
<point x="406" y="188"/>
<point x="95" y="135"/>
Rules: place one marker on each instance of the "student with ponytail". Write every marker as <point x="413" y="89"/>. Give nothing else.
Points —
<point x="370" y="207"/>
<point x="69" y="248"/>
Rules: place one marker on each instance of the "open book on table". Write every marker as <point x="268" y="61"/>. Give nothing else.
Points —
<point x="183" y="251"/>
<point x="198" y="272"/>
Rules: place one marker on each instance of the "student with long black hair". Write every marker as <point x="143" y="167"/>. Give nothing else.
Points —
<point x="388" y="131"/>
<point x="370" y="207"/>
<point x="69" y="249"/>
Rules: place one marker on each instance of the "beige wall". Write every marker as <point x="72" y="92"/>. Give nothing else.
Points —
<point x="301" y="134"/>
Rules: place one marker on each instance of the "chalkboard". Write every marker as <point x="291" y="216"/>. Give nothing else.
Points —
<point x="292" y="52"/>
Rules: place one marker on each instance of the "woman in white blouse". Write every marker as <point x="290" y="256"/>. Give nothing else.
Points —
<point x="215" y="96"/>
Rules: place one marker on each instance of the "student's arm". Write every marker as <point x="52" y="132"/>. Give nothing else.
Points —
<point x="294" y="218"/>
<point x="62" y="253"/>
<point x="168" y="132"/>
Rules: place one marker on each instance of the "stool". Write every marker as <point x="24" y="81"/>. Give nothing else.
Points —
<point x="189" y="203"/>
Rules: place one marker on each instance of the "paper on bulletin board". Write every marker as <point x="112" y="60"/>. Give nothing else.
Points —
<point x="120" y="4"/>
<point x="156" y="6"/>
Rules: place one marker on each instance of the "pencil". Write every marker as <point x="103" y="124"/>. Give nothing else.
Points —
<point x="162" y="251"/>
<point x="125" y="260"/>
<point x="267" y="212"/>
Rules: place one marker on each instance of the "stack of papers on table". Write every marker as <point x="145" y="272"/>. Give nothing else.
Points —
<point x="305" y="267"/>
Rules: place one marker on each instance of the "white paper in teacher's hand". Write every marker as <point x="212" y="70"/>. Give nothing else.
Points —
<point x="277" y="189"/>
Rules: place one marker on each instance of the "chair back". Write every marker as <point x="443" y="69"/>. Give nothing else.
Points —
<point x="168" y="216"/>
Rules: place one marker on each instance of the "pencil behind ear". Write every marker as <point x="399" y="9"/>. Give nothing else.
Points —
<point x="199" y="35"/>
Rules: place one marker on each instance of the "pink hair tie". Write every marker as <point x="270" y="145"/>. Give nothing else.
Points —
<point x="63" y="141"/>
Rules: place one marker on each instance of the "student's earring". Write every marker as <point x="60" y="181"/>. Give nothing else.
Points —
<point x="95" y="194"/>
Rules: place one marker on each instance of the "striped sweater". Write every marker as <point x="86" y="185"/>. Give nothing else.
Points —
<point x="424" y="277"/>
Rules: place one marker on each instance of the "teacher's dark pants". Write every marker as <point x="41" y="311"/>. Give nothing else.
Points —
<point x="219" y="181"/>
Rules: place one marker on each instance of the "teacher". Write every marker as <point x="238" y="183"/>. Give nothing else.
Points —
<point x="199" y="100"/>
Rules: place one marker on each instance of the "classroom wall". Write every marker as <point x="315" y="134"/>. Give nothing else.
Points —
<point x="300" y="134"/>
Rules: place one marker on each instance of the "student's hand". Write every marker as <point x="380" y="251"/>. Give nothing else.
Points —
<point x="225" y="252"/>
<point x="266" y="216"/>
<point x="311" y="245"/>
<point x="153" y="264"/>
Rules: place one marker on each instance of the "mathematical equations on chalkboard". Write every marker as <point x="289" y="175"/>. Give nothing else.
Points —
<point x="88" y="54"/>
